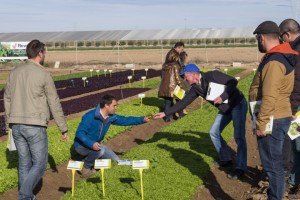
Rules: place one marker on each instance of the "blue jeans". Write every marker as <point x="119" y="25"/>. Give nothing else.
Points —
<point x="270" y="150"/>
<point x="91" y="155"/>
<point x="238" y="116"/>
<point x="32" y="145"/>
<point x="294" y="178"/>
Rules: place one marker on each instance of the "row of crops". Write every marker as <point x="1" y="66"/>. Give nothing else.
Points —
<point x="75" y="86"/>
<point x="180" y="154"/>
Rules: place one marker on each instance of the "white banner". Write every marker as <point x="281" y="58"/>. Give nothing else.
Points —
<point x="15" y="45"/>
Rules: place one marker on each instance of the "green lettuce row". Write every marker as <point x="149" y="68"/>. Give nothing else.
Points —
<point x="9" y="160"/>
<point x="59" y="151"/>
<point x="180" y="155"/>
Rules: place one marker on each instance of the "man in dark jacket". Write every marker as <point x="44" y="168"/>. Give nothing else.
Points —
<point x="92" y="129"/>
<point x="235" y="109"/>
<point x="290" y="32"/>
<point x="272" y="85"/>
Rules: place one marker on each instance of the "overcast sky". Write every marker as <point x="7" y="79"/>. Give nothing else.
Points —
<point x="88" y="15"/>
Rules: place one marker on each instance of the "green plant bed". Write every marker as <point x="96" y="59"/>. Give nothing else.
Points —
<point x="76" y="75"/>
<point x="180" y="155"/>
<point x="154" y="83"/>
<point x="9" y="160"/>
<point x="151" y="105"/>
<point x="148" y="83"/>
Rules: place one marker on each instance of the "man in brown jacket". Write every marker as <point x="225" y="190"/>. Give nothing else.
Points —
<point x="272" y="85"/>
<point x="29" y="93"/>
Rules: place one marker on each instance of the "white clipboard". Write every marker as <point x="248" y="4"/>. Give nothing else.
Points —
<point x="215" y="90"/>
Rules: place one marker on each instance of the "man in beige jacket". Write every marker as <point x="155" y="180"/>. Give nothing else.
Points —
<point x="272" y="86"/>
<point x="29" y="96"/>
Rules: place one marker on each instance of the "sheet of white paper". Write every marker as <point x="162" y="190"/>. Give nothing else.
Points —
<point x="214" y="91"/>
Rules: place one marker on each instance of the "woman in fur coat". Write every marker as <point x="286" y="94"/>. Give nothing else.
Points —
<point x="171" y="69"/>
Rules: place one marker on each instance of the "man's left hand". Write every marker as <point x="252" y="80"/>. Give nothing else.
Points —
<point x="65" y="137"/>
<point x="146" y="119"/>
<point x="260" y="133"/>
<point x="159" y="115"/>
<point x="218" y="100"/>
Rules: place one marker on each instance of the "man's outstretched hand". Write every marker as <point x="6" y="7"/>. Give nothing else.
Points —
<point x="146" y="119"/>
<point x="65" y="137"/>
<point x="159" y="115"/>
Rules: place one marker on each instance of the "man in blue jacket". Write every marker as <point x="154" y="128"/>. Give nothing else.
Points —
<point x="235" y="110"/>
<point x="93" y="128"/>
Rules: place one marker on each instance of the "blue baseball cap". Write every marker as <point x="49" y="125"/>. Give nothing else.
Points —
<point x="190" y="68"/>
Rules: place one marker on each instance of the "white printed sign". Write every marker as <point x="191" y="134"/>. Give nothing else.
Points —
<point x="76" y="165"/>
<point x="124" y="162"/>
<point x="129" y="65"/>
<point x="142" y="95"/>
<point x="56" y="65"/>
<point x="102" y="163"/>
<point x="140" y="164"/>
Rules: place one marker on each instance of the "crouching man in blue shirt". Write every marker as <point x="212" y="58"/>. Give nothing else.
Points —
<point x="92" y="129"/>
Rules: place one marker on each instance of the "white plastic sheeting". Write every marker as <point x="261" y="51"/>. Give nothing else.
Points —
<point x="162" y="34"/>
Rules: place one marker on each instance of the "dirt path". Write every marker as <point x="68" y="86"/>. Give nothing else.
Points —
<point x="57" y="180"/>
<point x="218" y="186"/>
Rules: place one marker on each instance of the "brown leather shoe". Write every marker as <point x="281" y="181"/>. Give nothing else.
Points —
<point x="294" y="193"/>
<point x="85" y="173"/>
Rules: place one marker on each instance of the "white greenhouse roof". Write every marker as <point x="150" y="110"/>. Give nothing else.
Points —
<point x="159" y="34"/>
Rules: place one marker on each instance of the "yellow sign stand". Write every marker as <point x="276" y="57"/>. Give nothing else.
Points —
<point x="140" y="165"/>
<point x="102" y="178"/>
<point x="201" y="102"/>
<point x="142" y="187"/>
<point x="143" y="78"/>
<point x="74" y="165"/>
<point x="129" y="78"/>
<point x="84" y="79"/>
<point x="141" y="96"/>
<point x="73" y="181"/>
<point x="102" y="164"/>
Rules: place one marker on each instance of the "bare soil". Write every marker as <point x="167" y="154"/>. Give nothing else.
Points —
<point x="72" y="62"/>
<point x="155" y="56"/>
